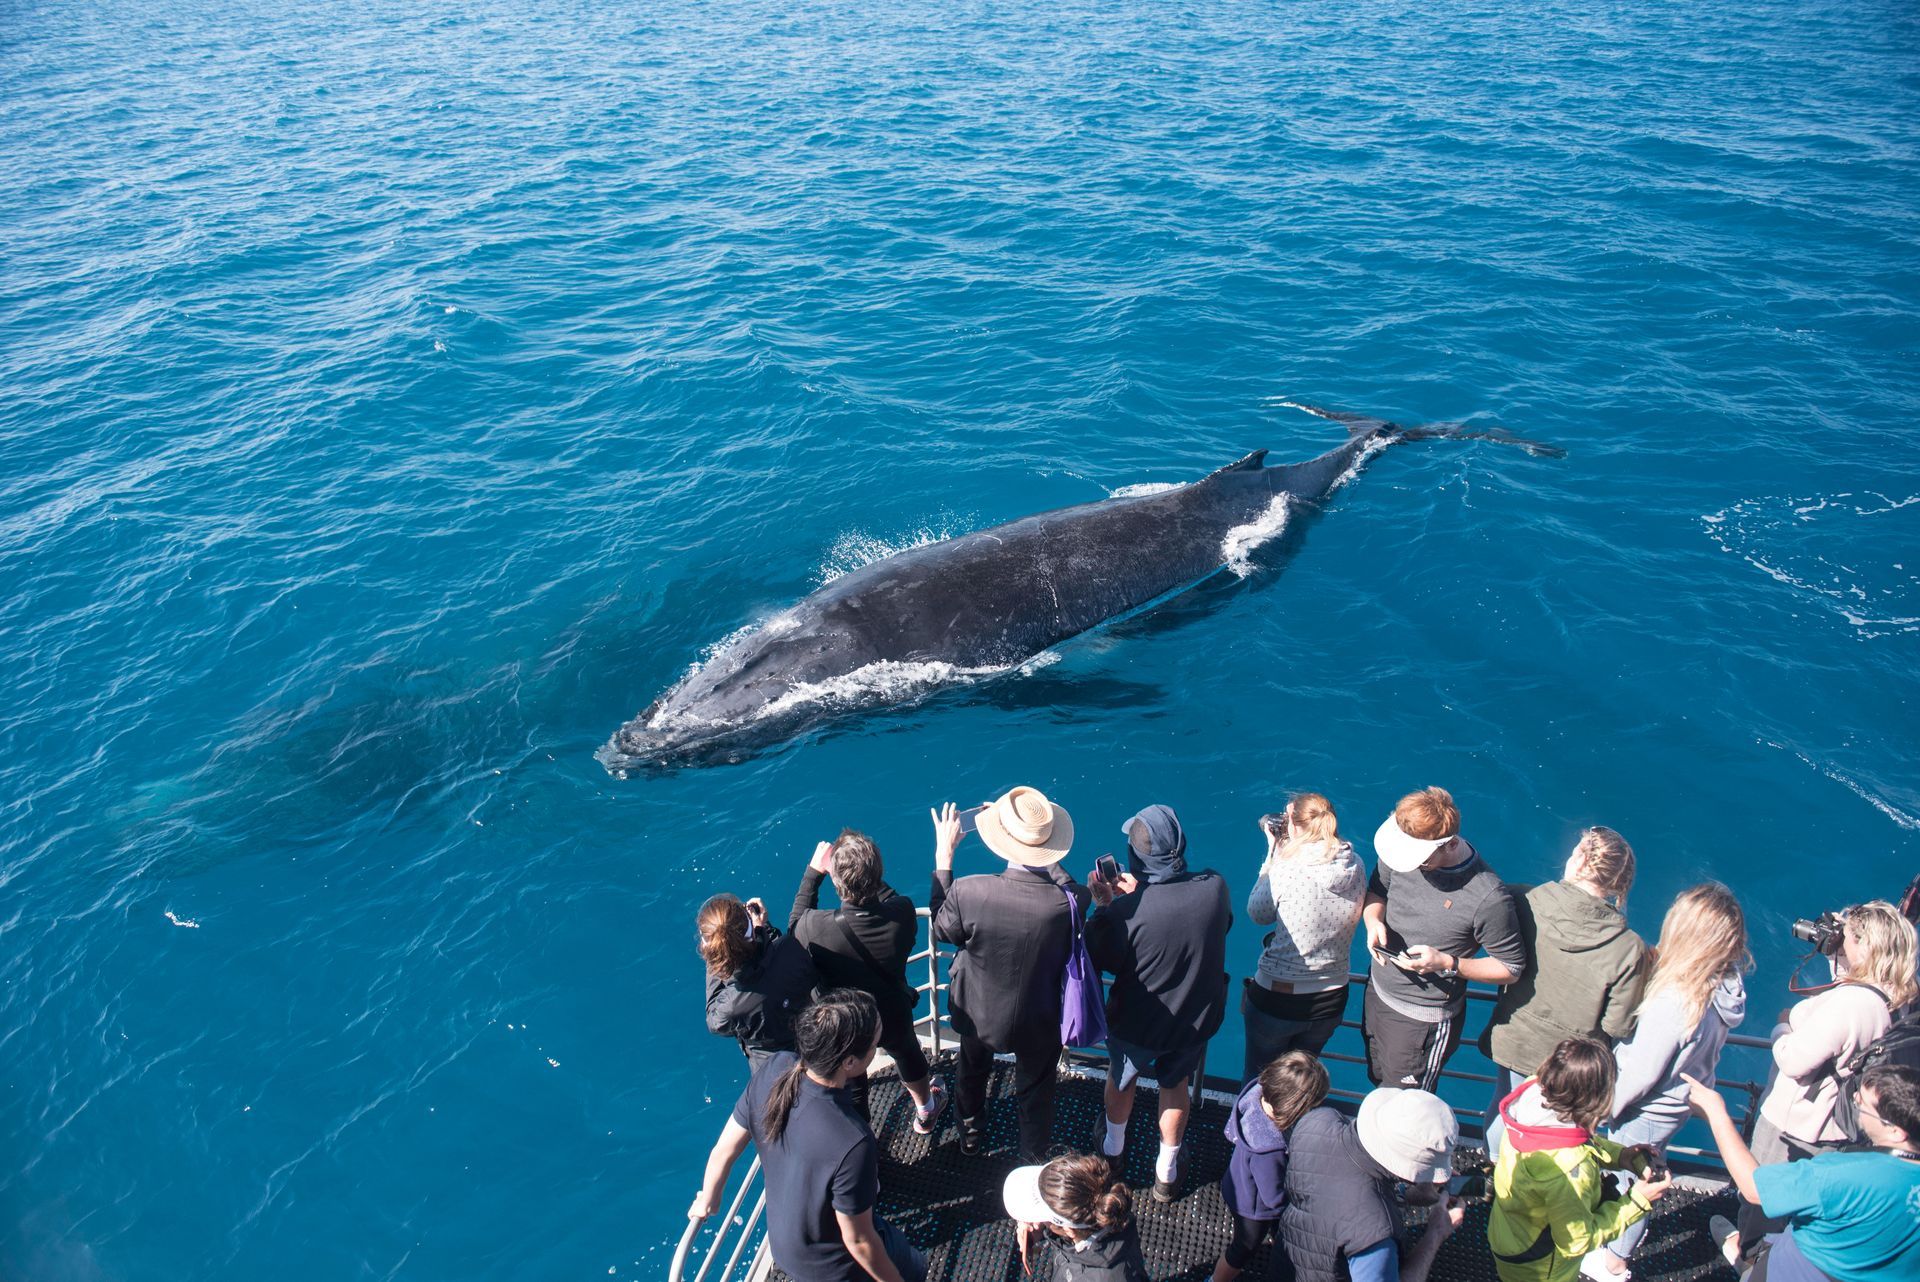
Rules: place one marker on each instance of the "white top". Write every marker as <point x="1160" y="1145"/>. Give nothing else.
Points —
<point x="1314" y="907"/>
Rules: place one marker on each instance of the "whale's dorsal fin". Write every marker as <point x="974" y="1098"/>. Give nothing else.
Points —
<point x="1251" y="463"/>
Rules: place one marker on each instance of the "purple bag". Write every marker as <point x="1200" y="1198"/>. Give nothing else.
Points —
<point x="1083" y="1005"/>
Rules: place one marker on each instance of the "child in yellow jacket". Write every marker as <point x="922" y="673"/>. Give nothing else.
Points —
<point x="1550" y="1203"/>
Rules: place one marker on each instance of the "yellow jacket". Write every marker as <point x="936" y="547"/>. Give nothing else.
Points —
<point x="1547" y="1206"/>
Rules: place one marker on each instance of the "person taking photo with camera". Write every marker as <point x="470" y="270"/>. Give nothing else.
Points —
<point x="1873" y="962"/>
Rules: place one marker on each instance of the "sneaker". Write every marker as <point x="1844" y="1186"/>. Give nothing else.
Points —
<point x="1726" y="1237"/>
<point x="1595" y="1267"/>
<point x="1168" y="1190"/>
<point x="925" y="1116"/>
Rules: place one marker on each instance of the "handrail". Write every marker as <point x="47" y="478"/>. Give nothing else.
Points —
<point x="936" y="1031"/>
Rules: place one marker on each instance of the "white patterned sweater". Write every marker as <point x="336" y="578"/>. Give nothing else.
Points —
<point x="1314" y="907"/>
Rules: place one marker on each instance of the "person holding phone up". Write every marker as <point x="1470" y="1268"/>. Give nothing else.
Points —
<point x="1432" y="906"/>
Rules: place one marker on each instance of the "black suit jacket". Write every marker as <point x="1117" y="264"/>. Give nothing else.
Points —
<point x="1014" y="934"/>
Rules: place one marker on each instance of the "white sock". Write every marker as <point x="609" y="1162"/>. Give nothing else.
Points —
<point x="1163" y="1165"/>
<point x="1116" y="1140"/>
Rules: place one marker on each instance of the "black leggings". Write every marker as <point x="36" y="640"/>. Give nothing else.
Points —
<point x="1247" y="1237"/>
<point x="898" y="1039"/>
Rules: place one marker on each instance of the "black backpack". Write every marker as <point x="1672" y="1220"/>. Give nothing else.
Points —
<point x="1898" y="1046"/>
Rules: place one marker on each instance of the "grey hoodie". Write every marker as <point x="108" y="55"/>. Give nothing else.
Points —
<point x="1664" y="1045"/>
<point x="1583" y="977"/>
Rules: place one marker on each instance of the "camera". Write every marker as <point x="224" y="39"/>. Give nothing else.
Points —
<point x="1826" y="933"/>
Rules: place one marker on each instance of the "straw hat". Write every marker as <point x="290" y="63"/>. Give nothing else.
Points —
<point x="1024" y="828"/>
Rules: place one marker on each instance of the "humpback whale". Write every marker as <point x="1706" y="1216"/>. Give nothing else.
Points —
<point x="987" y="601"/>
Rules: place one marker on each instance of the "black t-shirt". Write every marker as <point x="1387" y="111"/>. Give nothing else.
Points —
<point x="826" y="1161"/>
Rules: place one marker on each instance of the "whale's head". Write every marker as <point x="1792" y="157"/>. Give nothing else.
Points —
<point x="748" y="690"/>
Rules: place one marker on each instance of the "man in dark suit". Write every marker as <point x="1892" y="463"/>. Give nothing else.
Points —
<point x="1014" y="932"/>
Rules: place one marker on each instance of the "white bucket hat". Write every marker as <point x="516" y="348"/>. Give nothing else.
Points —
<point x="1411" y="1133"/>
<point x="1024" y="1203"/>
<point x="1400" y="852"/>
<point x="1024" y="828"/>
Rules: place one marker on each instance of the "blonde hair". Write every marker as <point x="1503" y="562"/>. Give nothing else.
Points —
<point x="1702" y="940"/>
<point x="1890" y="945"/>
<point x="1428" y="815"/>
<point x="1310" y="820"/>
<point x="1609" y="861"/>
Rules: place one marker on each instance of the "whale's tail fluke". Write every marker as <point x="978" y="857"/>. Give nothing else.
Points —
<point x="1366" y="425"/>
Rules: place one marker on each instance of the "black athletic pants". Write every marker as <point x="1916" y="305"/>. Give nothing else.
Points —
<point x="898" y="1039"/>
<point x="1247" y="1237"/>
<point x="1036" y="1054"/>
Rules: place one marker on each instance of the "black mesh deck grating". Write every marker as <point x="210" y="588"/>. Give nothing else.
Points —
<point x="949" y="1204"/>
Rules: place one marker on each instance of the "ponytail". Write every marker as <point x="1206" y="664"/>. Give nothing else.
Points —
<point x="1311" y="822"/>
<point x="724" y="946"/>
<point x="1085" y="1190"/>
<point x="843" y="1024"/>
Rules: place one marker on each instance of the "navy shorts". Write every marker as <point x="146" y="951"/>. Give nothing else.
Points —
<point x="1127" y="1063"/>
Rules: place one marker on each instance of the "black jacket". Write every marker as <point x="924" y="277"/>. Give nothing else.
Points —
<point x="885" y="927"/>
<point x="757" y="1004"/>
<point x="1014" y="934"/>
<point x="1114" y="1257"/>
<point x="1166" y="947"/>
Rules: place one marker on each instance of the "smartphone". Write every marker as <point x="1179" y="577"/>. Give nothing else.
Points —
<point x="1472" y="1185"/>
<point x="970" y="818"/>
<point x="1108" y="869"/>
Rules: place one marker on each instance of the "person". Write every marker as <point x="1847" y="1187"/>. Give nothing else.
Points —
<point x="1432" y="905"/>
<point x="1849" y="1217"/>
<point x="1550" y="1202"/>
<point x="865" y="945"/>
<point x="1811" y="1047"/>
<point x="1309" y="889"/>
<point x="1341" y="1221"/>
<point x="1586" y="966"/>
<point x="1078" y="1206"/>
<point x="758" y="979"/>
<point x="1013" y="932"/>
<point x="1164" y="941"/>
<point x="1255" y="1185"/>
<point x="818" y="1158"/>
<point x="1694" y="997"/>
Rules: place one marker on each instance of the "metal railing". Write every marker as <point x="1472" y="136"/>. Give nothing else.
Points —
<point x="936" y="1032"/>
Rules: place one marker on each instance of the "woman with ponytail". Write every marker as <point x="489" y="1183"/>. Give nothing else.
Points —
<point x="1310" y="889"/>
<point x="818" y="1158"/>
<point x="1080" y="1207"/>
<point x="1585" y="967"/>
<point x="758" y="980"/>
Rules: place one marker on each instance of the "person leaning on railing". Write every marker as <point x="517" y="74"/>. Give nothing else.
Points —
<point x="758" y="980"/>
<point x="1814" y="1041"/>
<point x="818" y="1156"/>
<point x="1585" y="966"/>
<point x="865" y="944"/>
<point x="1693" y="999"/>
<point x="1432" y="906"/>
<point x="1309" y="890"/>
<point x="1847" y="1217"/>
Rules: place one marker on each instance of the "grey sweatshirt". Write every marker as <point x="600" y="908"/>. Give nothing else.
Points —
<point x="1316" y="906"/>
<point x="1664" y="1045"/>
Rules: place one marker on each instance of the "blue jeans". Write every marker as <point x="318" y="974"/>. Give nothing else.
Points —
<point x="1269" y="1038"/>
<point x="1638" y="1130"/>
<point x="906" y="1257"/>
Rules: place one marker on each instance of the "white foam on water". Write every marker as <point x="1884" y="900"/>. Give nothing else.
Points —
<point x="1908" y="821"/>
<point x="185" y="923"/>
<point x="856" y="548"/>
<point x="1798" y="542"/>
<point x="887" y="681"/>
<point x="1142" y="489"/>
<point x="1237" y="548"/>
<point x="1372" y="446"/>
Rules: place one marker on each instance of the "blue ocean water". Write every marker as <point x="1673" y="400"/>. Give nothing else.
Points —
<point x="396" y="398"/>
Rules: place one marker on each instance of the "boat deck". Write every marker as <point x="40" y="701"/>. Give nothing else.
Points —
<point x="949" y="1204"/>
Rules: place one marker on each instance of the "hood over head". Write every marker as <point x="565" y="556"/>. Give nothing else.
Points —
<point x="1166" y="856"/>
<point x="1250" y="1127"/>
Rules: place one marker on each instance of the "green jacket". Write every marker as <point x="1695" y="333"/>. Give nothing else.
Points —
<point x="1553" y="1194"/>
<point x="1584" y="975"/>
